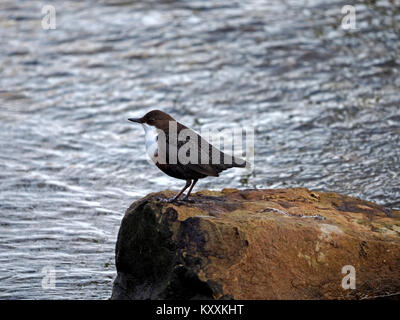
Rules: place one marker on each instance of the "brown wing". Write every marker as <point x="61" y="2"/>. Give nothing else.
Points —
<point x="202" y="159"/>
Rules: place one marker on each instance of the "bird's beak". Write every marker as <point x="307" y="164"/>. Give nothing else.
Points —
<point x="137" y="120"/>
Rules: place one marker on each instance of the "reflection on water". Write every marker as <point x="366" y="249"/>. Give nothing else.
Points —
<point x="324" y="103"/>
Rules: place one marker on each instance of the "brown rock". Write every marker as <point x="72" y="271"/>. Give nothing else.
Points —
<point x="257" y="244"/>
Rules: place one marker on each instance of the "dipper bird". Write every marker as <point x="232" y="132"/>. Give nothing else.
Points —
<point x="180" y="152"/>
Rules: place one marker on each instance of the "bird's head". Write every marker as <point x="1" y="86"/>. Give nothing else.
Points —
<point x="156" y="118"/>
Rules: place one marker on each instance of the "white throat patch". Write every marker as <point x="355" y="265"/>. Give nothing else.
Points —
<point x="151" y="141"/>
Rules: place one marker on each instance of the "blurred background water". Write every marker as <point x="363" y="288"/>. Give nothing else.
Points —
<point x="324" y="103"/>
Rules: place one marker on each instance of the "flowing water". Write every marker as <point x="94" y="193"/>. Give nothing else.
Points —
<point x="323" y="101"/>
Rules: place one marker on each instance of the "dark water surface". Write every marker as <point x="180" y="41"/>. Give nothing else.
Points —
<point x="324" y="103"/>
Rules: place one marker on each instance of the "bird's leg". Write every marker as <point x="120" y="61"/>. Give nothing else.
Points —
<point x="188" y="182"/>
<point x="190" y="190"/>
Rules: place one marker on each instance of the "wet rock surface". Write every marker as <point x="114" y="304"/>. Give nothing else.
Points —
<point x="257" y="244"/>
